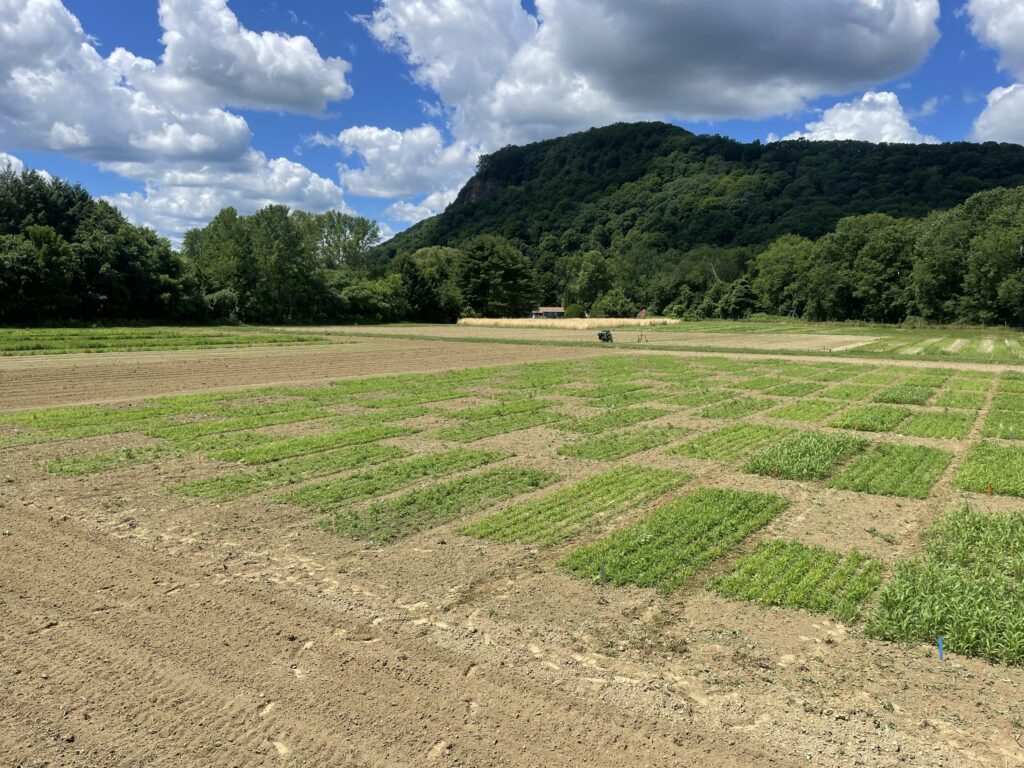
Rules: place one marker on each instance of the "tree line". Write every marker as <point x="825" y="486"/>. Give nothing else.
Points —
<point x="66" y="257"/>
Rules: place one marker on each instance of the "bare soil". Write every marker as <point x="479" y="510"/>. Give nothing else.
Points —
<point x="142" y="628"/>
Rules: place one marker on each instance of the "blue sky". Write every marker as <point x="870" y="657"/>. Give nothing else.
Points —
<point x="174" y="108"/>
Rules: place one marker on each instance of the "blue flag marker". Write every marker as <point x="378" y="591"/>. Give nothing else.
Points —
<point x="942" y="654"/>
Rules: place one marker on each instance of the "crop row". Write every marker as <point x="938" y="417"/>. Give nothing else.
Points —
<point x="677" y="541"/>
<point x="968" y="587"/>
<point x="617" y="445"/>
<point x="236" y="485"/>
<point x="569" y="511"/>
<point x="332" y="494"/>
<point x="792" y="575"/>
<point x="435" y="505"/>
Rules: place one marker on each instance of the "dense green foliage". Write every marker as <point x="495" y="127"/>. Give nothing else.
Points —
<point x="650" y="216"/>
<point x="65" y="256"/>
<point x="793" y="575"/>
<point x="967" y="587"/>
<point x="671" y="545"/>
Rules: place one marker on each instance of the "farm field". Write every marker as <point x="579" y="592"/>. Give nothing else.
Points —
<point x="372" y="550"/>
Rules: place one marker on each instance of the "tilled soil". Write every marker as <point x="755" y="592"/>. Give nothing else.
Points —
<point x="142" y="628"/>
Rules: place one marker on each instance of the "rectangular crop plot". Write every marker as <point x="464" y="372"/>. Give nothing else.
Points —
<point x="957" y="398"/>
<point x="968" y="587"/>
<point x="1009" y="401"/>
<point x="805" y="456"/>
<point x="332" y="494"/>
<point x="849" y="392"/>
<point x="237" y="485"/>
<point x="792" y="575"/>
<point x="905" y="394"/>
<point x="91" y="463"/>
<point x="795" y="389"/>
<point x="871" y="418"/>
<point x="288" y="447"/>
<point x="990" y="467"/>
<point x="806" y="410"/>
<point x="1006" y="425"/>
<point x="732" y="443"/>
<point x="616" y="445"/>
<point x="567" y="512"/>
<point x="890" y="469"/>
<point x="502" y="425"/>
<point x="508" y="408"/>
<point x="437" y="504"/>
<point x="737" y="408"/>
<point x="949" y="425"/>
<point x="674" y="543"/>
<point x="619" y="417"/>
<point x="699" y="397"/>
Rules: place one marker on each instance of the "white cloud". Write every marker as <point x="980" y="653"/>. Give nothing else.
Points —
<point x="166" y="123"/>
<point x="210" y="56"/>
<point x="11" y="162"/>
<point x="505" y="76"/>
<point x="1003" y="116"/>
<point x="877" y="117"/>
<point x="400" y="163"/>
<point x="410" y="212"/>
<point x="178" y="197"/>
<point x="1000" y="25"/>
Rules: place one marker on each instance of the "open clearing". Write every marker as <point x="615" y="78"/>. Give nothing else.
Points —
<point x="424" y="552"/>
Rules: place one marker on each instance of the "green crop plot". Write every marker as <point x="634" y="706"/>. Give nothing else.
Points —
<point x="792" y="575"/>
<point x="732" y="443"/>
<point x="55" y="341"/>
<point x="568" y="512"/>
<point x="1007" y="425"/>
<point x="502" y="425"/>
<point x="617" y="445"/>
<point x="992" y="468"/>
<point x="890" y="469"/>
<point x="738" y="408"/>
<point x="947" y="425"/>
<point x="288" y="447"/>
<point x="968" y="587"/>
<point x="92" y="463"/>
<point x="186" y="433"/>
<point x="871" y="418"/>
<point x="806" y="410"/>
<point x="883" y="377"/>
<point x="436" y="505"/>
<point x="905" y="394"/>
<point x="699" y="397"/>
<point x="849" y="392"/>
<point x="958" y="398"/>
<point x="619" y="417"/>
<point x="805" y="456"/>
<point x="507" y="408"/>
<point x="237" y="485"/>
<point x="1009" y="401"/>
<point x="761" y="383"/>
<point x="331" y="494"/>
<point x="795" y="389"/>
<point x="674" y="543"/>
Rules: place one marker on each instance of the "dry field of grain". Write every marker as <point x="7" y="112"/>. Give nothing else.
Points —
<point x="399" y="551"/>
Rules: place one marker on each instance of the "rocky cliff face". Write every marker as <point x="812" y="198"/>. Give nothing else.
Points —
<point x="477" y="190"/>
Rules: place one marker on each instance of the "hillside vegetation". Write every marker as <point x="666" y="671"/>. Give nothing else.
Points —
<point x="607" y="222"/>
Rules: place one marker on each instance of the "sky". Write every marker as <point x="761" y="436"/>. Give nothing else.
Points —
<point x="174" y="109"/>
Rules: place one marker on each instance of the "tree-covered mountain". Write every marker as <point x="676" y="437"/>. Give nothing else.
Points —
<point x="652" y="212"/>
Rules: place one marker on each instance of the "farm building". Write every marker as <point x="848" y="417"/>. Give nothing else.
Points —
<point x="548" y="313"/>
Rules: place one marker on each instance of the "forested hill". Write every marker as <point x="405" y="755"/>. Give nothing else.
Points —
<point x="666" y="207"/>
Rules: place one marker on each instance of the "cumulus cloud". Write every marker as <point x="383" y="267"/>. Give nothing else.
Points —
<point x="400" y="163"/>
<point x="166" y="123"/>
<point x="11" y="162"/>
<point x="179" y="197"/>
<point x="1003" y="116"/>
<point x="1000" y="25"/>
<point x="506" y="76"/>
<point x="877" y="117"/>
